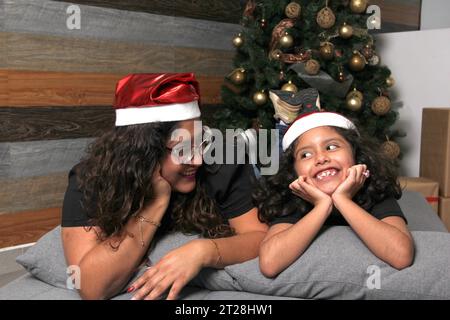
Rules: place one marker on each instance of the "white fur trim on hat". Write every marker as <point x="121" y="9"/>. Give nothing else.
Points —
<point x="164" y="113"/>
<point x="314" y="120"/>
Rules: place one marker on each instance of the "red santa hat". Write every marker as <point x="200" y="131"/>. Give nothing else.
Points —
<point x="156" y="97"/>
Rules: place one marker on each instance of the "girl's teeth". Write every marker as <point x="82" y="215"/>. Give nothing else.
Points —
<point x="326" y="174"/>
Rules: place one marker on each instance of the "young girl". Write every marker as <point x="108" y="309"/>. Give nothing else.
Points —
<point x="137" y="181"/>
<point x="324" y="179"/>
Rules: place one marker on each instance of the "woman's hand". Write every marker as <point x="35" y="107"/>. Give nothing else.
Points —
<point x="356" y="176"/>
<point x="173" y="271"/>
<point x="161" y="186"/>
<point x="305" y="189"/>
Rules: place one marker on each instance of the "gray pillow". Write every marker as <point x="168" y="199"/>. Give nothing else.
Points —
<point x="45" y="260"/>
<point x="338" y="265"/>
<point x="335" y="266"/>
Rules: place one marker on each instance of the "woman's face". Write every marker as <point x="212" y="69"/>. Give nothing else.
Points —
<point x="181" y="173"/>
<point x="324" y="156"/>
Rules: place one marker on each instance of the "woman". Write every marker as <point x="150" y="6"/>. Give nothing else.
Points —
<point x="146" y="177"/>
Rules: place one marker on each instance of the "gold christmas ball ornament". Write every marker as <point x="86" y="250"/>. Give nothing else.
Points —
<point x="355" y="93"/>
<point x="238" y="41"/>
<point x="346" y="31"/>
<point x="286" y="41"/>
<point x="354" y="103"/>
<point x="381" y="105"/>
<point x="390" y="82"/>
<point x="293" y="10"/>
<point x="260" y="98"/>
<point x="358" y="6"/>
<point x="238" y="76"/>
<point x="289" y="87"/>
<point x="326" y="18"/>
<point x="327" y="50"/>
<point x="312" y="67"/>
<point x="357" y="62"/>
<point x="391" y="149"/>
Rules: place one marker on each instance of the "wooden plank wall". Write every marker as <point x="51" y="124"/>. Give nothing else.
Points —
<point x="57" y="85"/>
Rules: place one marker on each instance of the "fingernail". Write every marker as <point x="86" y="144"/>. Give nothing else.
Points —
<point x="130" y="289"/>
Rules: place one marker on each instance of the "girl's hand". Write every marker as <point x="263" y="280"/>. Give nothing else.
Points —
<point x="173" y="271"/>
<point x="356" y="176"/>
<point x="305" y="189"/>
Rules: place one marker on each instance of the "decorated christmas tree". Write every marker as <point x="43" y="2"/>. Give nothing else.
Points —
<point x="293" y="45"/>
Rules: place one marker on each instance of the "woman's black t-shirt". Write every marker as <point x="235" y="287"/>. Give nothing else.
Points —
<point x="386" y="208"/>
<point x="230" y="185"/>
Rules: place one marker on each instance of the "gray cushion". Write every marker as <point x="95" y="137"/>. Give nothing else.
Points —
<point x="45" y="260"/>
<point x="336" y="266"/>
<point x="420" y="215"/>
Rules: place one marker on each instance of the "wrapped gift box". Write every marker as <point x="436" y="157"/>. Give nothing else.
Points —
<point x="427" y="187"/>
<point x="435" y="148"/>
<point x="444" y="211"/>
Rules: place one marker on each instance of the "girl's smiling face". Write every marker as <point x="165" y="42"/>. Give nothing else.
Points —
<point x="323" y="156"/>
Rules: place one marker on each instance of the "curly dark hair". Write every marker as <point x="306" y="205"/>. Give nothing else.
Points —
<point x="115" y="178"/>
<point x="273" y="198"/>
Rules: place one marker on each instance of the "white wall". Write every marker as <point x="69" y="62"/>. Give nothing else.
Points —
<point x="420" y="64"/>
<point x="435" y="14"/>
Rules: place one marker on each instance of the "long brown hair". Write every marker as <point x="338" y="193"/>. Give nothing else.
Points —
<point x="273" y="197"/>
<point x="115" y="178"/>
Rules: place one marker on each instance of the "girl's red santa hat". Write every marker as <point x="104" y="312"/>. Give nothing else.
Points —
<point x="156" y="97"/>
<point x="310" y="117"/>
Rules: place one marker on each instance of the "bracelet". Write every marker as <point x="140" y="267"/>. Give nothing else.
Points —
<point x="219" y="257"/>
<point x="144" y="219"/>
